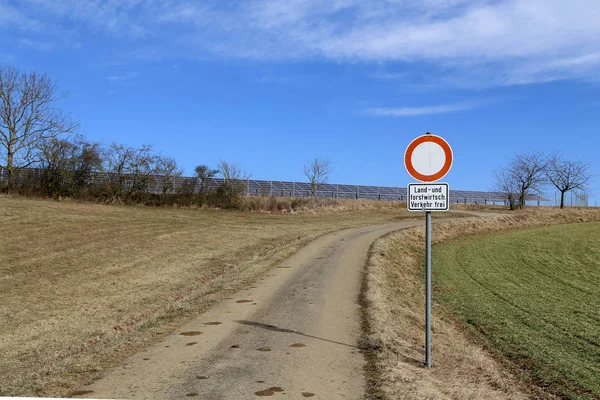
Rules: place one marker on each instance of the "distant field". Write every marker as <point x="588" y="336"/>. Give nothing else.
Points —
<point x="84" y="285"/>
<point x="533" y="296"/>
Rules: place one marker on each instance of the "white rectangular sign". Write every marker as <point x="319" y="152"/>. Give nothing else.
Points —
<point x="428" y="197"/>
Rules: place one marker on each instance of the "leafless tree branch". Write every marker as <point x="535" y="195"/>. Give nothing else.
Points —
<point x="233" y="187"/>
<point x="524" y="174"/>
<point x="28" y="118"/>
<point x="567" y="175"/>
<point x="317" y="172"/>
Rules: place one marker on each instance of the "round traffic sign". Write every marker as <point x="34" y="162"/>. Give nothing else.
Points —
<point x="428" y="158"/>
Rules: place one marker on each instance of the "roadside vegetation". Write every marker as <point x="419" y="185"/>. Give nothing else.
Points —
<point x="83" y="285"/>
<point x="463" y="368"/>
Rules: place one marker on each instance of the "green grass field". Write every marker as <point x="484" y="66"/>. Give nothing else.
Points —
<point x="532" y="296"/>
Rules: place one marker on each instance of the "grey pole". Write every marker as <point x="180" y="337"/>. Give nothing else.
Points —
<point x="428" y="289"/>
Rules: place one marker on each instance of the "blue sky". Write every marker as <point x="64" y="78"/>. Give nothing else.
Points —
<point x="268" y="84"/>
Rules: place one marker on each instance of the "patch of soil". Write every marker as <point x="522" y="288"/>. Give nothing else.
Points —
<point x="269" y="392"/>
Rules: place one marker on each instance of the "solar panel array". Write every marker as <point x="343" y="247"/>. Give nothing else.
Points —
<point x="340" y="191"/>
<point x="303" y="189"/>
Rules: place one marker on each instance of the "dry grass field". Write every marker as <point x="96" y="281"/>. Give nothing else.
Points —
<point x="394" y="319"/>
<point x="82" y="286"/>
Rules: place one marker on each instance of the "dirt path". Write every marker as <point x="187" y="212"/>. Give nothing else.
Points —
<point x="293" y="334"/>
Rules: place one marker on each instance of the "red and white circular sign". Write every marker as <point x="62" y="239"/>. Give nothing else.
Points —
<point x="428" y="158"/>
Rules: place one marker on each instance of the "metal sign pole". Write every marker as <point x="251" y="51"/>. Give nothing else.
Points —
<point x="428" y="166"/>
<point x="428" y="289"/>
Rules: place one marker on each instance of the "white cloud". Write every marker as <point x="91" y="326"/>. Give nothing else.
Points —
<point x="421" y="111"/>
<point x="12" y="18"/>
<point x="474" y="42"/>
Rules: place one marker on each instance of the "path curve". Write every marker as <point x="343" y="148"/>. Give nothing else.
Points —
<point x="294" y="334"/>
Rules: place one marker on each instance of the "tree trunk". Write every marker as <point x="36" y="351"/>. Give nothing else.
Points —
<point x="522" y="198"/>
<point x="11" y="172"/>
<point x="562" y="200"/>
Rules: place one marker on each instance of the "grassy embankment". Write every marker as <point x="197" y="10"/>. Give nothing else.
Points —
<point x="82" y="286"/>
<point x="543" y="327"/>
<point x="533" y="296"/>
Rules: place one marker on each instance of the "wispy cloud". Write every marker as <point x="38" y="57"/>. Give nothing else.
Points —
<point x="13" y="18"/>
<point x="122" y="78"/>
<point x="389" y="76"/>
<point x="280" y="79"/>
<point x="479" y="42"/>
<point x="43" y="46"/>
<point x="421" y="111"/>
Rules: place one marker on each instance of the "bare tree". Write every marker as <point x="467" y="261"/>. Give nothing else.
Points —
<point x="68" y="165"/>
<point x="232" y="172"/>
<point x="117" y="158"/>
<point x="56" y="163"/>
<point x="130" y="170"/>
<point x="87" y="161"/>
<point x="525" y="174"/>
<point x="567" y="175"/>
<point x="233" y="186"/>
<point x="28" y="117"/>
<point x="169" y="172"/>
<point x="317" y="172"/>
<point x="205" y="174"/>
<point x="529" y="171"/>
<point x="505" y="184"/>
